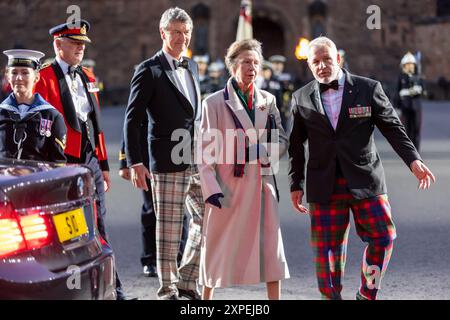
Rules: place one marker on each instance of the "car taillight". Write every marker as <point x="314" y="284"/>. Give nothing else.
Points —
<point x="22" y="232"/>
<point x="11" y="239"/>
<point x="35" y="230"/>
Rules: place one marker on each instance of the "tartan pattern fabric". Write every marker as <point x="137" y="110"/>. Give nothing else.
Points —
<point x="171" y="191"/>
<point x="330" y="225"/>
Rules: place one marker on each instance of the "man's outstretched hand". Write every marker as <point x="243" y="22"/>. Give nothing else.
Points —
<point x="423" y="174"/>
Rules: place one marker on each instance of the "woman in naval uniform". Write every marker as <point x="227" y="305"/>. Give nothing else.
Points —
<point x="30" y="128"/>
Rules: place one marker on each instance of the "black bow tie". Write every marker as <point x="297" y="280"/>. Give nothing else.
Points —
<point x="73" y="70"/>
<point x="184" y="63"/>
<point x="332" y="85"/>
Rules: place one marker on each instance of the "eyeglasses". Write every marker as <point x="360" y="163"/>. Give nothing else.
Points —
<point x="178" y="33"/>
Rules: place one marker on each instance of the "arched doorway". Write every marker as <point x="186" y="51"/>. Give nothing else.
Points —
<point x="201" y="15"/>
<point x="271" y="34"/>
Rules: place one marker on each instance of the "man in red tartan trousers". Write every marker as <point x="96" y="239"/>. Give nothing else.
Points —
<point x="336" y="114"/>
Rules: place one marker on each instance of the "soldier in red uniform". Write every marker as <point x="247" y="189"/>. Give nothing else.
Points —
<point x="72" y="90"/>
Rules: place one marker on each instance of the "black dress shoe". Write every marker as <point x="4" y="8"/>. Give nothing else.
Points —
<point x="189" y="294"/>
<point x="150" y="271"/>
<point x="122" y="296"/>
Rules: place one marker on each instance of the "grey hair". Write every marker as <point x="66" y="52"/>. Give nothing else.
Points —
<point x="237" y="47"/>
<point x="174" y="14"/>
<point x="322" y="42"/>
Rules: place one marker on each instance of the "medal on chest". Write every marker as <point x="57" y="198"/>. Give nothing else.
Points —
<point x="45" y="128"/>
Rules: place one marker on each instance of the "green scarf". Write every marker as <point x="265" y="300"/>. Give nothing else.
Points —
<point x="244" y="97"/>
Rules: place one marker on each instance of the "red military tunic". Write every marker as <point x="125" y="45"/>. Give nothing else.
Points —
<point x="53" y="88"/>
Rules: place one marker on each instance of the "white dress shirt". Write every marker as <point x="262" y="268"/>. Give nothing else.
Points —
<point x="77" y="91"/>
<point x="184" y="80"/>
<point x="332" y="100"/>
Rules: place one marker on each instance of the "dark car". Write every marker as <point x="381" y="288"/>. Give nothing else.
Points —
<point x="50" y="247"/>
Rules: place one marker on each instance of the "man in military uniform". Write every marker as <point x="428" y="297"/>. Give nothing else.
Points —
<point x="203" y="77"/>
<point x="216" y="79"/>
<point x="90" y="65"/>
<point x="410" y="89"/>
<point x="287" y="86"/>
<point x="72" y="90"/>
<point x="271" y="84"/>
<point x="277" y="62"/>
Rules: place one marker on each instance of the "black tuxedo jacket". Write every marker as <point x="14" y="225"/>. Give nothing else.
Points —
<point x="154" y="94"/>
<point x="364" y="106"/>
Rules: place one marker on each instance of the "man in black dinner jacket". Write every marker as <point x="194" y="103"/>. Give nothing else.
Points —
<point x="166" y="89"/>
<point x="336" y="114"/>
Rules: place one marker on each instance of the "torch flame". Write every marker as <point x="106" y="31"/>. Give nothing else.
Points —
<point x="187" y="53"/>
<point x="301" y="50"/>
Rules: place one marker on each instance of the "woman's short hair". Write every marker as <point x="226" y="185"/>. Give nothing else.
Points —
<point x="174" y="14"/>
<point x="237" y="47"/>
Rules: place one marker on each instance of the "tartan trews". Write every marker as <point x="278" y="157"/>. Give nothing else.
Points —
<point x="330" y="225"/>
<point x="171" y="191"/>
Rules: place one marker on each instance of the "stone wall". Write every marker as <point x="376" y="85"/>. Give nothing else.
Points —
<point x="124" y="32"/>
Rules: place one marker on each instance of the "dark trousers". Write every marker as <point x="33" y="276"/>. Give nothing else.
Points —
<point x="412" y="120"/>
<point x="92" y="162"/>
<point x="411" y="116"/>
<point x="148" y="227"/>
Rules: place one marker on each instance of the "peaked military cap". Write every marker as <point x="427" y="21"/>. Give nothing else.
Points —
<point x="88" y="63"/>
<point x="76" y="30"/>
<point x="201" y="59"/>
<point x="277" y="59"/>
<point x="24" y="58"/>
<point x="266" y="65"/>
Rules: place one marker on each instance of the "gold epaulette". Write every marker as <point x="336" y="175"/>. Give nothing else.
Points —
<point x="45" y="65"/>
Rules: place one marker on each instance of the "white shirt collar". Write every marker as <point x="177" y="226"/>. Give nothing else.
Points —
<point x="169" y="58"/>
<point x="64" y="65"/>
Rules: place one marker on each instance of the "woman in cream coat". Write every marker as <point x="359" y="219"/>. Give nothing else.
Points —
<point x="242" y="241"/>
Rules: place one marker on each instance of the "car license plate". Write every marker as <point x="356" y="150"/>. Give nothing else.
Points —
<point x="70" y="225"/>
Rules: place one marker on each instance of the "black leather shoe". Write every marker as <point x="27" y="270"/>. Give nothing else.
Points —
<point x="122" y="296"/>
<point x="150" y="271"/>
<point x="189" y="294"/>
